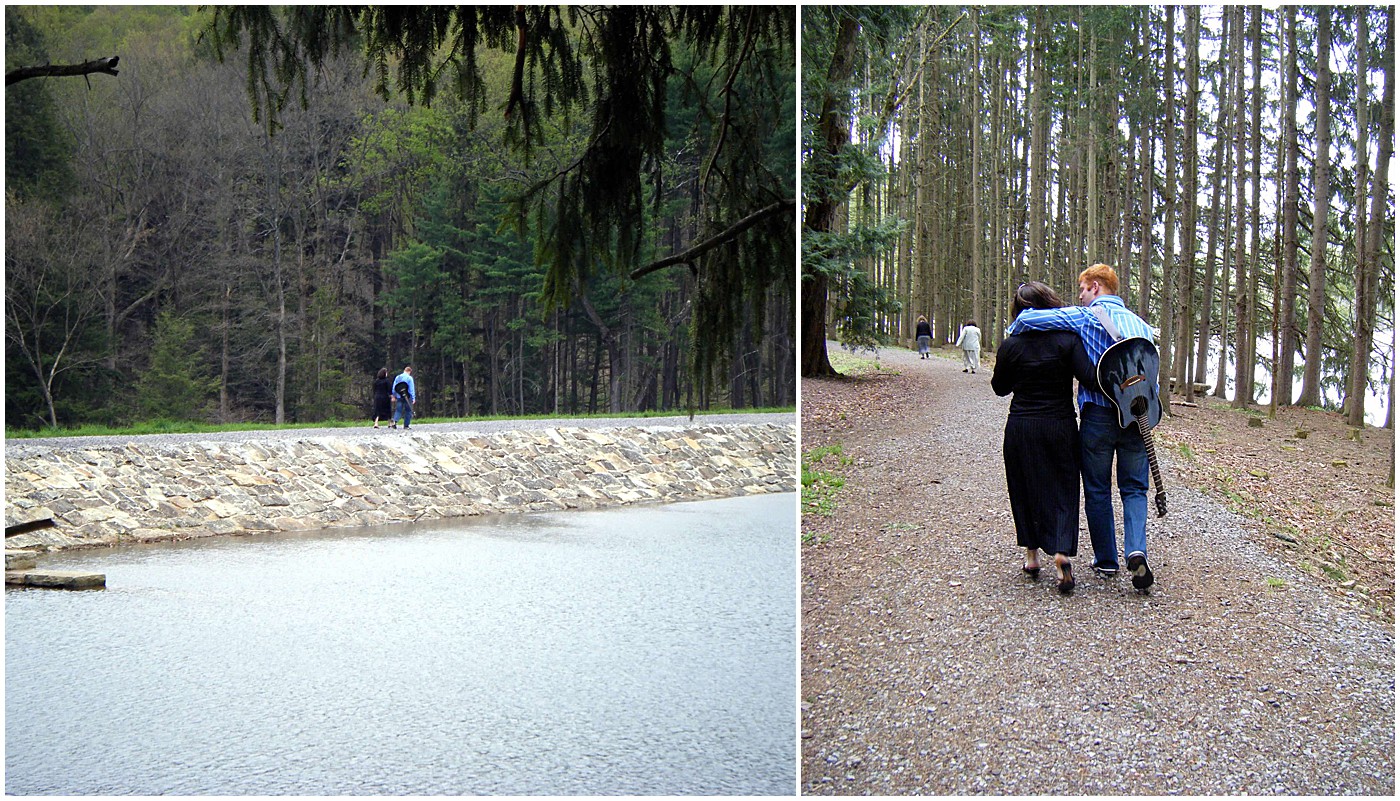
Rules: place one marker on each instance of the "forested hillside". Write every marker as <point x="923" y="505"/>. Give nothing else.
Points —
<point x="193" y="238"/>
<point x="1231" y="163"/>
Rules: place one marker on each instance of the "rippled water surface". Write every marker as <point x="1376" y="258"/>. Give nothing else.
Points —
<point x="637" y="651"/>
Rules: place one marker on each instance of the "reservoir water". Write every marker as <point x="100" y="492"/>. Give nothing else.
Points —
<point x="645" y="650"/>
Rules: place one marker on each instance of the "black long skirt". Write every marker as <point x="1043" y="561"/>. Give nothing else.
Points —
<point x="1042" y="477"/>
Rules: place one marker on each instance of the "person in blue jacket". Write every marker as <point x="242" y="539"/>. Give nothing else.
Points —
<point x="406" y="396"/>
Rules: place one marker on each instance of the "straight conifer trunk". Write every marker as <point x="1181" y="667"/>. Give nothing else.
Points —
<point x="1322" y="193"/>
<point x="1288" y="295"/>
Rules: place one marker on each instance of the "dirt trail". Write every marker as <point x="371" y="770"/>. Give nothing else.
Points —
<point x="930" y="665"/>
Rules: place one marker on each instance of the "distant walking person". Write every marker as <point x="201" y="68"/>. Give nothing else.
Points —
<point x="407" y="396"/>
<point x="970" y="340"/>
<point x="924" y="335"/>
<point x="383" y="403"/>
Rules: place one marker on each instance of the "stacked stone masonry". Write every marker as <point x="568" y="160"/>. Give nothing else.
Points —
<point x="143" y="493"/>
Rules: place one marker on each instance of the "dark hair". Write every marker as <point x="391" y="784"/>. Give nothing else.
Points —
<point x="383" y="372"/>
<point x="972" y="323"/>
<point x="1034" y="295"/>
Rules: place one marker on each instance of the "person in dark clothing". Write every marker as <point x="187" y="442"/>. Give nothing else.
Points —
<point x="1040" y="446"/>
<point x="924" y="334"/>
<point x="383" y="405"/>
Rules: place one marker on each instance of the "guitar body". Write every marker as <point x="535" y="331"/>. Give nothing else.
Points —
<point x="1127" y="372"/>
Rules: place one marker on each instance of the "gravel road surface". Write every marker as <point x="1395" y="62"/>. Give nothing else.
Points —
<point x="930" y="665"/>
<point x="21" y="446"/>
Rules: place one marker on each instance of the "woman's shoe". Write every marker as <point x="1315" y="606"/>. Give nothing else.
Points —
<point x="1032" y="565"/>
<point x="1066" y="578"/>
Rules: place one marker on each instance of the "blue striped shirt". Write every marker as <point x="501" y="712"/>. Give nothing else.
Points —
<point x="412" y="390"/>
<point x="1091" y="332"/>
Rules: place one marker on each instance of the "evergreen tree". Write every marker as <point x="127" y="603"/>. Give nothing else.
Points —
<point x="36" y="147"/>
<point x="611" y="64"/>
<point x="323" y="382"/>
<point x="177" y="385"/>
<point x="836" y="83"/>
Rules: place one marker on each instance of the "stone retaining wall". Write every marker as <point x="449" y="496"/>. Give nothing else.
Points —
<point x="135" y="492"/>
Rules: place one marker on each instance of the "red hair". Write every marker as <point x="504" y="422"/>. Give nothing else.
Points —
<point x="1104" y="275"/>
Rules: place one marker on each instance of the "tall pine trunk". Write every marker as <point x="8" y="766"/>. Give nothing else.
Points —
<point x="1040" y="133"/>
<point x="1219" y="169"/>
<point x="1288" y="291"/>
<point x="834" y="135"/>
<point x="1169" y="197"/>
<point x="1322" y="193"/>
<point x="1369" y="273"/>
<point x="1256" y="117"/>
<point x="1243" y="367"/>
<point x="1190" y="169"/>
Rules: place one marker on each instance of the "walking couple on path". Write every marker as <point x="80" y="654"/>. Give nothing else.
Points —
<point x="1045" y="454"/>
<point x="400" y="393"/>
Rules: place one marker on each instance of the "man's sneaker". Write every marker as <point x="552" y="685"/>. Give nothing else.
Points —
<point x="1142" y="574"/>
<point x="1106" y="572"/>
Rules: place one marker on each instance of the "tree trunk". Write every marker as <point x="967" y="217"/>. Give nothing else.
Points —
<point x="1040" y="134"/>
<point x="1219" y="169"/>
<point x="1169" y="198"/>
<point x="1288" y="293"/>
<point x="834" y="135"/>
<point x="1322" y="193"/>
<point x="1256" y="118"/>
<point x="1243" y="367"/>
<point x="1191" y="169"/>
<point x="1234" y="104"/>
<point x="1145" y="215"/>
<point x="1091" y="198"/>
<point x="1369" y="272"/>
<point x="976" y="176"/>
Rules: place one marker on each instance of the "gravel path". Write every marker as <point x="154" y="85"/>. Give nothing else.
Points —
<point x="22" y="446"/>
<point x="931" y="666"/>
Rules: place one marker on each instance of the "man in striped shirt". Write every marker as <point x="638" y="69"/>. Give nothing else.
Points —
<point x="1100" y="436"/>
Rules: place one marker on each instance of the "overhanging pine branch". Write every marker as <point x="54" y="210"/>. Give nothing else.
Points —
<point x="690" y="253"/>
<point x="106" y="65"/>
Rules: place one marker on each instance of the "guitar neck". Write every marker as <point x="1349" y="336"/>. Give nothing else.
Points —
<point x="1152" y="462"/>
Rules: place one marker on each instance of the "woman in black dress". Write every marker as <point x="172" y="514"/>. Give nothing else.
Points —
<point x="1041" y="445"/>
<point x="924" y="333"/>
<point x="382" y="405"/>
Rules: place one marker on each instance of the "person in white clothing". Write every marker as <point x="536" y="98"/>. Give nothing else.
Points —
<point x="970" y="340"/>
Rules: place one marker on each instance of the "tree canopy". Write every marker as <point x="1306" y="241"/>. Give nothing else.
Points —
<point x="612" y="63"/>
<point x="576" y="204"/>
<point x="1231" y="163"/>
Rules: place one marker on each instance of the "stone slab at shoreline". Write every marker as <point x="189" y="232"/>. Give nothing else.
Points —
<point x="137" y="492"/>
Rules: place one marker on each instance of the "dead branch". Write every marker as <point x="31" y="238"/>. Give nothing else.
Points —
<point x="107" y="66"/>
<point x="689" y="254"/>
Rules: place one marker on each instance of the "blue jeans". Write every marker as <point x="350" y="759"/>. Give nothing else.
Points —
<point x="1100" y="439"/>
<point x="404" y="409"/>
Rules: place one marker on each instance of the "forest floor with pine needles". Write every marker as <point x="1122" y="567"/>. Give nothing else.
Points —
<point x="1262" y="661"/>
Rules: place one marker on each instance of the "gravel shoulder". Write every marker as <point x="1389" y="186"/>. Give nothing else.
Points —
<point x="931" y="666"/>
<point x="366" y="432"/>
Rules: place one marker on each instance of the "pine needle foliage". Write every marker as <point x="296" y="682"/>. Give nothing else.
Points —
<point x="176" y="386"/>
<point x="613" y="64"/>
